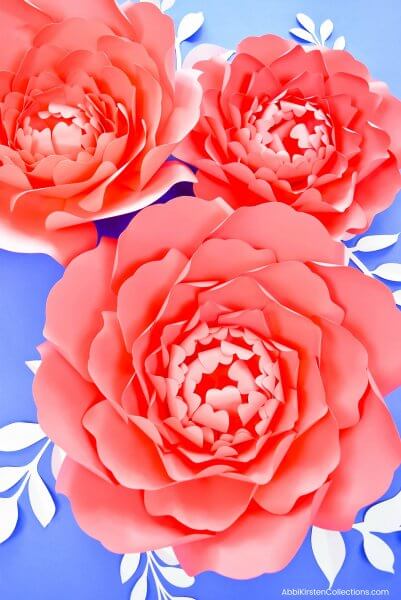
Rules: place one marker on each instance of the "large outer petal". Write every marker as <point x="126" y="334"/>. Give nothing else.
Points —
<point x="182" y="223"/>
<point x="155" y="31"/>
<point x="257" y="543"/>
<point x="20" y="21"/>
<point x="75" y="304"/>
<point x="266" y="48"/>
<point x="110" y="366"/>
<point x="129" y="454"/>
<point x="142" y="295"/>
<point x="344" y="371"/>
<point x="19" y="234"/>
<point x="62" y="398"/>
<point x="308" y="464"/>
<point x="116" y="515"/>
<point x="291" y="235"/>
<point x="372" y="317"/>
<point x="208" y="503"/>
<point x="388" y="117"/>
<point x="100" y="10"/>
<point x="371" y="452"/>
<point x="284" y="281"/>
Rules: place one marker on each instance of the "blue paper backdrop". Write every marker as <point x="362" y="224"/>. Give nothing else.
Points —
<point x="61" y="562"/>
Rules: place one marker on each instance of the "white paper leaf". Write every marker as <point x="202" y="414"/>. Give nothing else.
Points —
<point x="57" y="459"/>
<point x="167" y="4"/>
<point x="384" y="517"/>
<point x="378" y="553"/>
<point x="397" y="297"/>
<point x="389" y="271"/>
<point x="306" y="22"/>
<point x="155" y="2"/>
<point x="326" y="29"/>
<point x="177" y="577"/>
<point x="339" y="43"/>
<point x="329" y="551"/>
<point x="40" y="498"/>
<point x="371" y="243"/>
<point x="205" y="52"/>
<point x="189" y="25"/>
<point x="140" y="589"/>
<point x="302" y="34"/>
<point x="33" y="365"/>
<point x="8" y="517"/>
<point x="19" y="435"/>
<point x="128" y="566"/>
<point x="167" y="555"/>
<point x="9" y="476"/>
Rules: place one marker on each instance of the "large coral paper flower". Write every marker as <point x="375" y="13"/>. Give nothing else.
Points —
<point x="309" y="128"/>
<point x="90" y="109"/>
<point x="215" y="378"/>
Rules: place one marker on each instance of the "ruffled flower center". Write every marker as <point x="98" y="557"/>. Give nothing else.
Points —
<point x="289" y="137"/>
<point x="72" y="131"/>
<point x="222" y="389"/>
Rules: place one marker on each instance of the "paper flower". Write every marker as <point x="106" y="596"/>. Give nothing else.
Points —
<point x="216" y="381"/>
<point x="307" y="128"/>
<point x="91" y="108"/>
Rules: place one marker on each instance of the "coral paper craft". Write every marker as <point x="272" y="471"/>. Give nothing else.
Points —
<point x="307" y="127"/>
<point x="91" y="108"/>
<point x="216" y="378"/>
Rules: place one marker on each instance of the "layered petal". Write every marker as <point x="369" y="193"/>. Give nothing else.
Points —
<point x="132" y="458"/>
<point x="210" y="503"/>
<point x="73" y="329"/>
<point x="62" y="398"/>
<point x="379" y="331"/>
<point x="258" y="543"/>
<point x="362" y="475"/>
<point x="116" y="515"/>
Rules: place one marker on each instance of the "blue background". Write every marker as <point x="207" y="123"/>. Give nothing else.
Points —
<point x="61" y="562"/>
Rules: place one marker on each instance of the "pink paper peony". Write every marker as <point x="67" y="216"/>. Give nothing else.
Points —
<point x="215" y="378"/>
<point x="91" y="108"/>
<point x="307" y="128"/>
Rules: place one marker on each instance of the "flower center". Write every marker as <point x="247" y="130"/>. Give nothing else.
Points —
<point x="71" y="129"/>
<point x="292" y="128"/>
<point x="223" y="388"/>
<point x="287" y="136"/>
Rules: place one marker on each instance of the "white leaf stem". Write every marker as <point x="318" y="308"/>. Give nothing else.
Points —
<point x="339" y="43"/>
<point x="329" y="551"/>
<point x="397" y="297"/>
<point x="31" y="468"/>
<point x="33" y="365"/>
<point x="9" y="476"/>
<point x="8" y="517"/>
<point x="306" y="22"/>
<point x="304" y="35"/>
<point x="167" y="555"/>
<point x="40" y="499"/>
<point x="176" y="576"/>
<point x="372" y="243"/>
<point x="140" y="589"/>
<point x="326" y="29"/>
<point x="384" y="517"/>
<point x="358" y="263"/>
<point x="378" y="553"/>
<point x="189" y="25"/>
<point x="167" y="4"/>
<point x="389" y="271"/>
<point x="128" y="566"/>
<point x="20" y="435"/>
